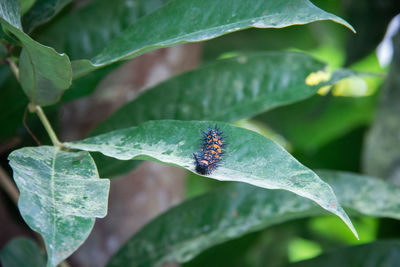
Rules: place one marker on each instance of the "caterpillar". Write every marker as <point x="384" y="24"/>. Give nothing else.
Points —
<point x="211" y="152"/>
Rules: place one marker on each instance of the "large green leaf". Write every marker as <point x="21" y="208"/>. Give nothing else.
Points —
<point x="61" y="194"/>
<point x="379" y="253"/>
<point x="184" y="21"/>
<point x="227" y="90"/>
<point x="249" y="158"/>
<point x="234" y="210"/>
<point x="381" y="153"/>
<point x="41" y="12"/>
<point x="20" y="251"/>
<point x="44" y="74"/>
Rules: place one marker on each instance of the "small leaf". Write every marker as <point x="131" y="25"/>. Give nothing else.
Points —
<point x="26" y="5"/>
<point x="231" y="211"/>
<point x="169" y="25"/>
<point x="44" y="74"/>
<point x="249" y="158"/>
<point x="379" y="253"/>
<point x="61" y="194"/>
<point x="20" y="251"/>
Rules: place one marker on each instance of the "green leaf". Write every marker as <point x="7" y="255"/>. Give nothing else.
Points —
<point x="61" y="194"/>
<point x="381" y="156"/>
<point x="20" y="251"/>
<point x="169" y="25"/>
<point x="227" y="90"/>
<point x="103" y="20"/>
<point x="41" y="12"/>
<point x="231" y="211"/>
<point x="26" y="5"/>
<point x="250" y="157"/>
<point x="379" y="253"/>
<point x="44" y="74"/>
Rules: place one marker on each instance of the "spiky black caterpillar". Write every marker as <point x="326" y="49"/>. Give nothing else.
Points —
<point x="211" y="152"/>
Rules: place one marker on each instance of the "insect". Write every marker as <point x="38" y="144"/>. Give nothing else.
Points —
<point x="211" y="152"/>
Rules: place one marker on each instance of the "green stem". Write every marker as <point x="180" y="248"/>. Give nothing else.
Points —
<point x="39" y="111"/>
<point x="42" y="116"/>
<point x="13" y="67"/>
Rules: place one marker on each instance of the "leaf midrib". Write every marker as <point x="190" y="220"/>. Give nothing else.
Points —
<point x="53" y="202"/>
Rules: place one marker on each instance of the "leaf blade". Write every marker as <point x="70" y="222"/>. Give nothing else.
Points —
<point x="44" y="73"/>
<point x="168" y="25"/>
<point x="61" y="194"/>
<point x="226" y="90"/>
<point x="174" y="142"/>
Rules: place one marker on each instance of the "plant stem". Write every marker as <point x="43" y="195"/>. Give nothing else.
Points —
<point x="13" y="67"/>
<point x="42" y="116"/>
<point x="11" y="190"/>
<point x="8" y="186"/>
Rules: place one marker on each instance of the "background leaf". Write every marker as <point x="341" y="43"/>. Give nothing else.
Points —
<point x="20" y="251"/>
<point x="44" y="74"/>
<point x="231" y="211"/>
<point x="381" y="157"/>
<point x="104" y="20"/>
<point x="323" y="118"/>
<point x="10" y="92"/>
<point x="227" y="90"/>
<point x="61" y="194"/>
<point x="168" y="25"/>
<point x="250" y="157"/>
<point x="380" y="253"/>
<point x="41" y="12"/>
